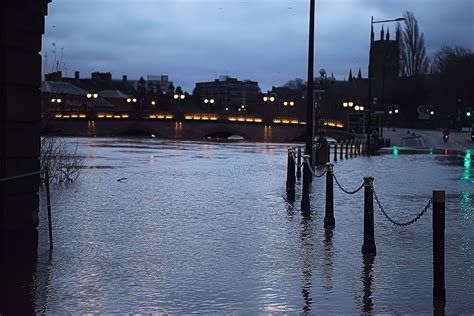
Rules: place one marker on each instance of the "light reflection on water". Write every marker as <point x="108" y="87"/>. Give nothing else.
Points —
<point x="204" y="227"/>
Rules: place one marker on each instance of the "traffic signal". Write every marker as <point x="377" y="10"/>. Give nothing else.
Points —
<point x="468" y="112"/>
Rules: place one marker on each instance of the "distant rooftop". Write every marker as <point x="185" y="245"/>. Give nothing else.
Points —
<point x="58" y="87"/>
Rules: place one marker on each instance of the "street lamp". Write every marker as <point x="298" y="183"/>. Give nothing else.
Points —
<point x="372" y="22"/>
<point x="179" y="96"/>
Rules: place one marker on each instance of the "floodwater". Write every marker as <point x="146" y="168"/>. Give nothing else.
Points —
<point x="204" y="227"/>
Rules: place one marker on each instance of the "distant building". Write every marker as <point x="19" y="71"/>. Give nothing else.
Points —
<point x="229" y="92"/>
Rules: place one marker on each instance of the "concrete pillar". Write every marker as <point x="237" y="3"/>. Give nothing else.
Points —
<point x="22" y="26"/>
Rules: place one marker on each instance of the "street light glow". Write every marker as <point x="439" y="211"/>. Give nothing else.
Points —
<point x="211" y="101"/>
<point x="285" y="103"/>
<point x="272" y="99"/>
<point x="89" y="95"/>
<point x="206" y="101"/>
<point x="356" y="108"/>
<point x="182" y="96"/>
<point x="95" y="95"/>
<point x="176" y="96"/>
<point x="153" y="103"/>
<point x="292" y="103"/>
<point x="265" y="99"/>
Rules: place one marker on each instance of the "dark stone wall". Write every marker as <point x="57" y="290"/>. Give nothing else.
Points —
<point x="21" y="29"/>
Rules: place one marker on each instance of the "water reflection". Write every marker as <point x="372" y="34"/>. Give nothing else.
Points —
<point x="328" y="259"/>
<point x="306" y="259"/>
<point x="466" y="208"/>
<point x="367" y="280"/>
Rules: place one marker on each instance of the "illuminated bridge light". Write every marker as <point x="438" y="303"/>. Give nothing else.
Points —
<point x="66" y="116"/>
<point x="74" y="116"/>
<point x="188" y="117"/>
<point x="169" y="117"/>
<point x="241" y="119"/>
<point x="249" y="119"/>
<point x="117" y="116"/>
<point x="285" y="121"/>
<point x="152" y="116"/>
<point x="160" y="116"/>
<point x="109" y="116"/>
<point x="58" y="116"/>
<point x="82" y="116"/>
<point x="303" y="123"/>
<point x="125" y="116"/>
<point x="100" y="115"/>
<point x="205" y="118"/>
<point x="258" y="120"/>
<point x="232" y="119"/>
<point x="213" y="118"/>
<point x="278" y="121"/>
<point x="196" y="117"/>
<point x="295" y="122"/>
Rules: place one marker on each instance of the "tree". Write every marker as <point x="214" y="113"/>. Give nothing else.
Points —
<point x="451" y="59"/>
<point x="413" y="59"/>
<point x="141" y="86"/>
<point x="170" y="90"/>
<point x="296" y="84"/>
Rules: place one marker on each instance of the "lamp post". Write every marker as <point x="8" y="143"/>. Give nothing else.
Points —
<point x="310" y="90"/>
<point x="305" y="204"/>
<point x="369" y="105"/>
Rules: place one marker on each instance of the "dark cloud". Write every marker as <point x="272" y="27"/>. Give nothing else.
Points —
<point x="263" y="40"/>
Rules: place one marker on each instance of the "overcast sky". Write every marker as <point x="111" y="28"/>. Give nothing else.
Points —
<point x="262" y="40"/>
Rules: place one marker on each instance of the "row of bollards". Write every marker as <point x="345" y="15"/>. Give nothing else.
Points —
<point x="368" y="247"/>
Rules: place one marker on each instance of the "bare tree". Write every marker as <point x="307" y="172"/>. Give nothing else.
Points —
<point x="62" y="161"/>
<point x="451" y="59"/>
<point x="413" y="59"/>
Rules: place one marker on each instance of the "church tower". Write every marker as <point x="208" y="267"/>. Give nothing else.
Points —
<point x="385" y="56"/>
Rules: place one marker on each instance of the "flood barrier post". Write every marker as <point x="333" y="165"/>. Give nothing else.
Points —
<point x="347" y="148"/>
<point x="329" y="220"/>
<point x="298" y="162"/>
<point x="290" y="176"/>
<point x="369" y="236"/>
<point x="305" y="205"/>
<point x="439" y="291"/>
<point x="342" y="147"/>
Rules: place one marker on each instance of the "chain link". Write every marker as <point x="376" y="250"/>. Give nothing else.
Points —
<point x="401" y="224"/>
<point x="295" y="160"/>
<point x="306" y="160"/>
<point x="344" y="190"/>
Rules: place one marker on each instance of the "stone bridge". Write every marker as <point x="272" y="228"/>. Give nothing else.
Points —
<point x="186" y="130"/>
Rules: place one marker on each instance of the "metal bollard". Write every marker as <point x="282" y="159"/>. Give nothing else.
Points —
<point x="369" y="236"/>
<point x="351" y="153"/>
<point x="355" y="147"/>
<point x="342" y="147"/>
<point x="358" y="147"/>
<point x="298" y="161"/>
<point x="305" y="205"/>
<point x="347" y="148"/>
<point x="329" y="220"/>
<point x="335" y="152"/>
<point x="439" y="290"/>
<point x="290" y="176"/>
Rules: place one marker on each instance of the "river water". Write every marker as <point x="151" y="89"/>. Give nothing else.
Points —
<point x="204" y="227"/>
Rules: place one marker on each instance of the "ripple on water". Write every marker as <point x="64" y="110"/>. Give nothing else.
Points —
<point x="204" y="227"/>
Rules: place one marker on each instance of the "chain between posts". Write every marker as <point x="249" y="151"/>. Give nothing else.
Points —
<point x="293" y="156"/>
<point x="308" y="163"/>
<point x="397" y="223"/>
<point x="344" y="190"/>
